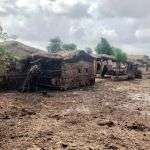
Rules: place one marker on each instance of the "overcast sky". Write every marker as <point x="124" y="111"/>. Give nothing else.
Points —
<point x="126" y="24"/>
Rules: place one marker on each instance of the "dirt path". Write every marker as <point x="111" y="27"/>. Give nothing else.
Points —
<point x="110" y="115"/>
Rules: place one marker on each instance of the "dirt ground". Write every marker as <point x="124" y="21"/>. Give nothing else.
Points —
<point x="110" y="115"/>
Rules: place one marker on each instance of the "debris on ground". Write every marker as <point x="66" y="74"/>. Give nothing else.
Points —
<point x="110" y="115"/>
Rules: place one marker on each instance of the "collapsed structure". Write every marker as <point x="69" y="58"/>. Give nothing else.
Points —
<point x="65" y="70"/>
<point x="105" y="63"/>
<point x="108" y="66"/>
<point x="142" y="60"/>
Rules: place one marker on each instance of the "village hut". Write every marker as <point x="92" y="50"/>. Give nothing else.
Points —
<point x="107" y="67"/>
<point x="19" y="49"/>
<point x="143" y="62"/>
<point x="65" y="70"/>
<point x="104" y="63"/>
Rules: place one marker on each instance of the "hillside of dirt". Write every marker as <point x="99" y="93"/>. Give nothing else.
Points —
<point x="110" y="115"/>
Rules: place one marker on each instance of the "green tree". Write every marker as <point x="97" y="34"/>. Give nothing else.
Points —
<point x="104" y="47"/>
<point x="69" y="47"/>
<point x="6" y="58"/>
<point x="120" y="56"/>
<point x="55" y="45"/>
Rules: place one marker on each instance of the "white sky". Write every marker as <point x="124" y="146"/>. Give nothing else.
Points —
<point x="125" y="24"/>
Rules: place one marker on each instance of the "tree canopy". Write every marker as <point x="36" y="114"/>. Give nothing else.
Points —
<point x="120" y="55"/>
<point x="6" y="58"/>
<point x="54" y="45"/>
<point x="104" y="47"/>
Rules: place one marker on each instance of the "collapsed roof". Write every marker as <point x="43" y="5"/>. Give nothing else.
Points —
<point x="105" y="57"/>
<point x="67" y="56"/>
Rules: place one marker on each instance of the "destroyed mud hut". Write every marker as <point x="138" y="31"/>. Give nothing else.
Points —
<point x="65" y="70"/>
<point x="107" y="66"/>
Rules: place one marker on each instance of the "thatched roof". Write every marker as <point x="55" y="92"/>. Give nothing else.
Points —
<point x="19" y="49"/>
<point x="104" y="57"/>
<point x="23" y="51"/>
<point x="139" y="58"/>
<point x="64" y="55"/>
<point x="72" y="54"/>
<point x="46" y="55"/>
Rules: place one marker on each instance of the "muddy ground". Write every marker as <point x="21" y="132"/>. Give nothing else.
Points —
<point x="110" y="115"/>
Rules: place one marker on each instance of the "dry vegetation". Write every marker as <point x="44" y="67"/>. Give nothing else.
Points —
<point x="110" y="115"/>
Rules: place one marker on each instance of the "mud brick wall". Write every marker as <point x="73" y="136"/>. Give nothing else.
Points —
<point x="78" y="74"/>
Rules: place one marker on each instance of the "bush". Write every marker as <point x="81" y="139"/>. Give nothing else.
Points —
<point x="6" y="58"/>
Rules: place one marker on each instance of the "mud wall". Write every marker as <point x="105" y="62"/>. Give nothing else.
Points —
<point x="78" y="74"/>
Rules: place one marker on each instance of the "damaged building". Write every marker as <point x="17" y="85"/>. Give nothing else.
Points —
<point x="142" y="60"/>
<point x="65" y="70"/>
<point x="105" y="63"/>
<point x="107" y="66"/>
